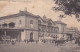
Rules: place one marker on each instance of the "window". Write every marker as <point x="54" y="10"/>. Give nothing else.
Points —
<point x="12" y="24"/>
<point x="54" y="29"/>
<point x="31" y="22"/>
<point x="20" y="22"/>
<point x="0" y="25"/>
<point x="48" y="29"/>
<point x="4" y="25"/>
<point x="51" y="29"/>
<point x="49" y="24"/>
<point x="63" y="29"/>
<point x="39" y="22"/>
<point x="39" y="29"/>
<point x="63" y="35"/>
<point x="42" y="28"/>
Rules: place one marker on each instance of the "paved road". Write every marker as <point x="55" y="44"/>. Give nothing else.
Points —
<point x="70" y="47"/>
<point x="40" y="47"/>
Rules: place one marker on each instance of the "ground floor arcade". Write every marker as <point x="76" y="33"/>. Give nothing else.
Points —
<point x="18" y="34"/>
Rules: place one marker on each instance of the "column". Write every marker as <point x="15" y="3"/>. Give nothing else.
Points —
<point x="23" y="34"/>
<point x="5" y="33"/>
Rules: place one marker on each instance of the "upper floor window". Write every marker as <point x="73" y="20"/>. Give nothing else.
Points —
<point x="63" y="29"/>
<point x="31" y="22"/>
<point x="4" y="25"/>
<point x="56" y="30"/>
<point x="39" y="29"/>
<point x="0" y="25"/>
<point x="49" y="24"/>
<point x="20" y="22"/>
<point x="49" y="29"/>
<point x="12" y="24"/>
<point x="39" y="22"/>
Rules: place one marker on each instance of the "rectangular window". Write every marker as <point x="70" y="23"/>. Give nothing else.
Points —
<point x="48" y="29"/>
<point x="20" y="22"/>
<point x="31" y="22"/>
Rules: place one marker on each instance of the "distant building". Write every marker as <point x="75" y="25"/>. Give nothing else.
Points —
<point x="62" y="29"/>
<point x="47" y="28"/>
<point x="26" y="26"/>
<point x="72" y="32"/>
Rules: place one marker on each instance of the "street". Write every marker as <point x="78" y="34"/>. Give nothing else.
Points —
<point x="40" y="47"/>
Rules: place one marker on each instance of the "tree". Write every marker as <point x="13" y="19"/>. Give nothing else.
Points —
<point x="69" y="7"/>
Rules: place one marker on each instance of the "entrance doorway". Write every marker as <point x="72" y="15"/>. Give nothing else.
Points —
<point x="31" y="36"/>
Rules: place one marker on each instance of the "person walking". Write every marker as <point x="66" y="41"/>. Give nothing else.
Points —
<point x="25" y="40"/>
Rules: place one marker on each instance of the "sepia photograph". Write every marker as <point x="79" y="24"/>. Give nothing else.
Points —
<point x="39" y="25"/>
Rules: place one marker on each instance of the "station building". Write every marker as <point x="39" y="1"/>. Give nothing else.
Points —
<point x="27" y="26"/>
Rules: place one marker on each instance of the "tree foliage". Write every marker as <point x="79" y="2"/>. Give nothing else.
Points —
<point x="69" y="7"/>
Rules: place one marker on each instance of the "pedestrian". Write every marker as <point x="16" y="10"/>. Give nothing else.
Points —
<point x="13" y="42"/>
<point x="25" y="40"/>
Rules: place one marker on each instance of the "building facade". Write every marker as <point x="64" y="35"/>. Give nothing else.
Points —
<point x="62" y="29"/>
<point x="26" y="26"/>
<point x="72" y="32"/>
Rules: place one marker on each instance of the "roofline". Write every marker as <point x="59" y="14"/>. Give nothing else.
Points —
<point x="17" y="15"/>
<point x="59" y="23"/>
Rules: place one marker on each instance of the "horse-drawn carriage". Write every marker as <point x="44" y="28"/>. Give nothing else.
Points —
<point x="53" y="40"/>
<point x="47" y="39"/>
<point x="60" y="42"/>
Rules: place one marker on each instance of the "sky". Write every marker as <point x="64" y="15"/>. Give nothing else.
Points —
<point x="36" y="7"/>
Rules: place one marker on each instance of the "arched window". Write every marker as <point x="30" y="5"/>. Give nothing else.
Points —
<point x="4" y="25"/>
<point x="12" y="25"/>
<point x="31" y="22"/>
<point x="39" y="22"/>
